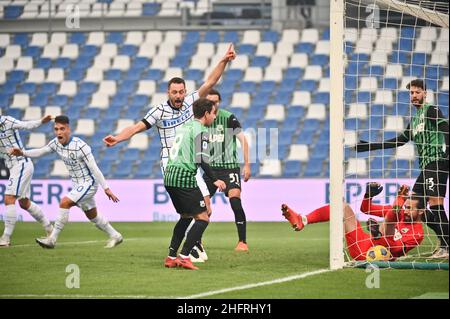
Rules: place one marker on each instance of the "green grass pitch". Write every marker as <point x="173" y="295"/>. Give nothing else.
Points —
<point x="135" y="268"/>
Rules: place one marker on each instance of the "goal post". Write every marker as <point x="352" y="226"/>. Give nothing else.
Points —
<point x="377" y="48"/>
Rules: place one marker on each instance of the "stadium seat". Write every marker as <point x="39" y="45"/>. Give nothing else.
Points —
<point x="59" y="169"/>
<point x="275" y="112"/>
<point x="356" y="167"/>
<point x="394" y="123"/>
<point x="36" y="140"/>
<point x="292" y="168"/>
<point x="271" y="168"/>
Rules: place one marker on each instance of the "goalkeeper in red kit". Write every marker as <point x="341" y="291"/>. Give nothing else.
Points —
<point x="400" y="232"/>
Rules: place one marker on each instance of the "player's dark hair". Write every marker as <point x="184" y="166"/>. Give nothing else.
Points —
<point x="215" y="92"/>
<point x="421" y="200"/>
<point x="176" y="80"/>
<point x="62" y="119"/>
<point x="201" y="106"/>
<point x="417" y="83"/>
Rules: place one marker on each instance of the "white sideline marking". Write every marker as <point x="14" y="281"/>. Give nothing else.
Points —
<point x="259" y="284"/>
<point x="85" y="296"/>
<point x="76" y="242"/>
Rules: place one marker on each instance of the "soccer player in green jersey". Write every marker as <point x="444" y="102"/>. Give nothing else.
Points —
<point x="189" y="151"/>
<point x="429" y="130"/>
<point x="223" y="134"/>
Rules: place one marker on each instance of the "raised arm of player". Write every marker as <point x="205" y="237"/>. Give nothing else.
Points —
<point x="125" y="134"/>
<point x="29" y="125"/>
<point x="245" y="148"/>
<point x="217" y="72"/>
<point x="402" y="139"/>
<point x="368" y="207"/>
<point x="37" y="152"/>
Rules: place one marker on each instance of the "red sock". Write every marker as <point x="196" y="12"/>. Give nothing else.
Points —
<point x="321" y="214"/>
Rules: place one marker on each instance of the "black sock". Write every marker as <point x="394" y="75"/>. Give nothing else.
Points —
<point x="194" y="235"/>
<point x="441" y="223"/>
<point x="178" y="235"/>
<point x="239" y="217"/>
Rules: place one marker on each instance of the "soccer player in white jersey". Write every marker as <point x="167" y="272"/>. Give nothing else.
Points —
<point x="171" y="114"/>
<point x="21" y="171"/>
<point x="85" y="176"/>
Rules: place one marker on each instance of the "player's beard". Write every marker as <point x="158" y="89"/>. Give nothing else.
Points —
<point x="417" y="103"/>
<point x="177" y="103"/>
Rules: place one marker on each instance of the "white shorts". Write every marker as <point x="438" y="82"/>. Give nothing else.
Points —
<point x="20" y="180"/>
<point x="199" y="177"/>
<point x="83" y="196"/>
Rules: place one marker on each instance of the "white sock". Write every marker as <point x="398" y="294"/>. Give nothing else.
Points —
<point x="102" y="224"/>
<point x="61" y="220"/>
<point x="304" y="220"/>
<point x="37" y="214"/>
<point x="10" y="220"/>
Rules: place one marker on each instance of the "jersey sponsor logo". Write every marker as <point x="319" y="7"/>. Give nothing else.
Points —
<point x="419" y="128"/>
<point x="397" y="235"/>
<point x="217" y="138"/>
<point x="4" y="134"/>
<point x="176" y="121"/>
<point x="404" y="230"/>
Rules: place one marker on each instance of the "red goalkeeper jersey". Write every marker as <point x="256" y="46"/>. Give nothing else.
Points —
<point x="408" y="234"/>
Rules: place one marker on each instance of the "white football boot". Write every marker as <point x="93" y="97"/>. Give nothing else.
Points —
<point x="5" y="241"/>
<point x="46" y="242"/>
<point x="114" y="241"/>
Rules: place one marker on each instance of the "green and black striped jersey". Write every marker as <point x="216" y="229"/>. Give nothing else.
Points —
<point x="222" y="137"/>
<point x="424" y="131"/>
<point x="189" y="146"/>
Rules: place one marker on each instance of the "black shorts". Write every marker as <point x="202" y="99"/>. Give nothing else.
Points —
<point x="187" y="201"/>
<point x="432" y="181"/>
<point x="231" y="177"/>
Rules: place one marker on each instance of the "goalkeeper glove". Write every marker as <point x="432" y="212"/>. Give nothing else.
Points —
<point x="374" y="228"/>
<point x="373" y="189"/>
<point x="403" y="191"/>
<point x="362" y="146"/>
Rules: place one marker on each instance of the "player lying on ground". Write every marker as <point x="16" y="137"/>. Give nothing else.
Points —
<point x="400" y="232"/>
<point x="20" y="173"/>
<point x="189" y="151"/>
<point x="429" y="131"/>
<point x="168" y="116"/>
<point x="85" y="176"/>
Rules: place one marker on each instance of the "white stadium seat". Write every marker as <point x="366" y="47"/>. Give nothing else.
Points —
<point x="384" y="45"/>
<point x="24" y="63"/>
<point x="275" y="112"/>
<point x="52" y="110"/>
<point x="368" y="84"/>
<point x="351" y="35"/>
<point x="174" y="37"/>
<point x="251" y="37"/>
<point x="383" y="97"/>
<point x="199" y="63"/>
<point x="241" y="62"/>
<point x="357" y="110"/>
<point x="364" y="46"/>
<point x="116" y="9"/>
<point x="39" y="39"/>
<point x="394" y="124"/>
<point x="13" y="51"/>
<point x="51" y="51"/>
<point x="405" y="81"/>
<point x="324" y="85"/>
<point x="301" y="98"/>
<point x="172" y="72"/>
<point x="264" y="49"/>
<point x="406" y="152"/>
<point x="55" y="75"/>
<point x="108" y="50"/>
<point x="134" y="9"/>
<point x="369" y="34"/>
<point x="6" y="64"/>
<point x="155" y="37"/>
<point x="270" y="167"/>
<point x="310" y="35"/>
<point x="167" y="49"/>
<point x="20" y="101"/>
<point x="316" y="111"/>
<point x="205" y="50"/>
<point x="273" y="74"/>
<point x="290" y="36"/>
<point x="424" y="46"/>
<point x="313" y="72"/>
<point x="241" y="99"/>
<point x="146" y="87"/>
<point x="284" y="48"/>
<point x="445" y="84"/>
<point x="59" y="169"/>
<point x="378" y="58"/>
<point x="147" y="50"/>
<point x="160" y="62"/>
<point x="356" y="166"/>
<point x="121" y="62"/>
<point x="32" y="113"/>
<point x="350" y="138"/>
<point x="70" y="51"/>
<point x="107" y="87"/>
<point x="394" y="71"/>
<point x="99" y="100"/>
<point x="68" y="88"/>
<point x="254" y="74"/>
<point x="441" y="47"/>
<point x="2" y="76"/>
<point x="298" y="152"/>
<point x="134" y="38"/>
<point x="123" y="123"/>
<point x="96" y="38"/>
<point x="36" y="140"/>
<point x="389" y="34"/>
<point x="279" y="61"/>
<point x="36" y="76"/>
<point x="323" y="47"/>
<point x="85" y="127"/>
<point x="158" y="98"/>
<point x="94" y="75"/>
<point x="139" y="141"/>
<point x="58" y="38"/>
<point x="428" y="33"/>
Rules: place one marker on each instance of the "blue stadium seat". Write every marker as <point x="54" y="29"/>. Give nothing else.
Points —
<point x="4" y="100"/>
<point x="376" y="70"/>
<point x="87" y="87"/>
<point x="308" y="85"/>
<point x="16" y="76"/>
<point x="151" y="8"/>
<point x="43" y="63"/>
<point x="49" y="88"/>
<point x="180" y="61"/>
<point x="28" y="88"/>
<point x="92" y="113"/>
<point x="12" y="12"/>
<point x="83" y="62"/>
<point x="363" y="97"/>
<point x="144" y="169"/>
<point x="313" y="169"/>
<point x="442" y="101"/>
<point x="77" y="38"/>
<point x="292" y="168"/>
<point x="112" y="153"/>
<point x="74" y="111"/>
<point x="255" y="113"/>
<point x="319" y="59"/>
<point x="112" y="74"/>
<point x="390" y="83"/>
<point x="153" y="74"/>
<point x="193" y="74"/>
<point x="120" y="99"/>
<point x="407" y="32"/>
<point x="286" y="87"/>
<point x="293" y="74"/>
<point x="63" y="63"/>
<point x="140" y="63"/>
<point x="42" y="168"/>
<point x="8" y="88"/>
<point x="399" y="57"/>
<point x="434" y="72"/>
<point x="305" y="137"/>
<point x="326" y="34"/>
<point x="187" y="49"/>
<point x="140" y="100"/>
<point x="267" y="86"/>
<point x="32" y="51"/>
<point x="233" y="74"/>
<point x="128" y="50"/>
<point x="270" y="36"/>
<point x="312" y="125"/>
<point x="304" y="47"/>
<point x="403" y="109"/>
<point x="247" y="86"/>
<point x="419" y="58"/>
<point x="81" y="99"/>
<point x="405" y="45"/>
<point x="192" y="37"/>
<point x="40" y="99"/>
<point x="283" y="96"/>
<point x="75" y="75"/>
<point x="153" y="152"/>
<point x="247" y="49"/>
<point x="295" y="112"/>
<point x="321" y="97"/>
<point x="211" y="37"/>
<point x="115" y="37"/>
<point x="260" y="61"/>
<point x="351" y="82"/>
<point x="320" y="151"/>
<point x="231" y="37"/>
<point x="131" y="154"/>
<point x="127" y="86"/>
<point x="21" y="39"/>
<point x="88" y="51"/>
<point x="105" y="128"/>
<point x="132" y="75"/>
<point x="403" y="96"/>
<point x="59" y="100"/>
<point x="414" y="71"/>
